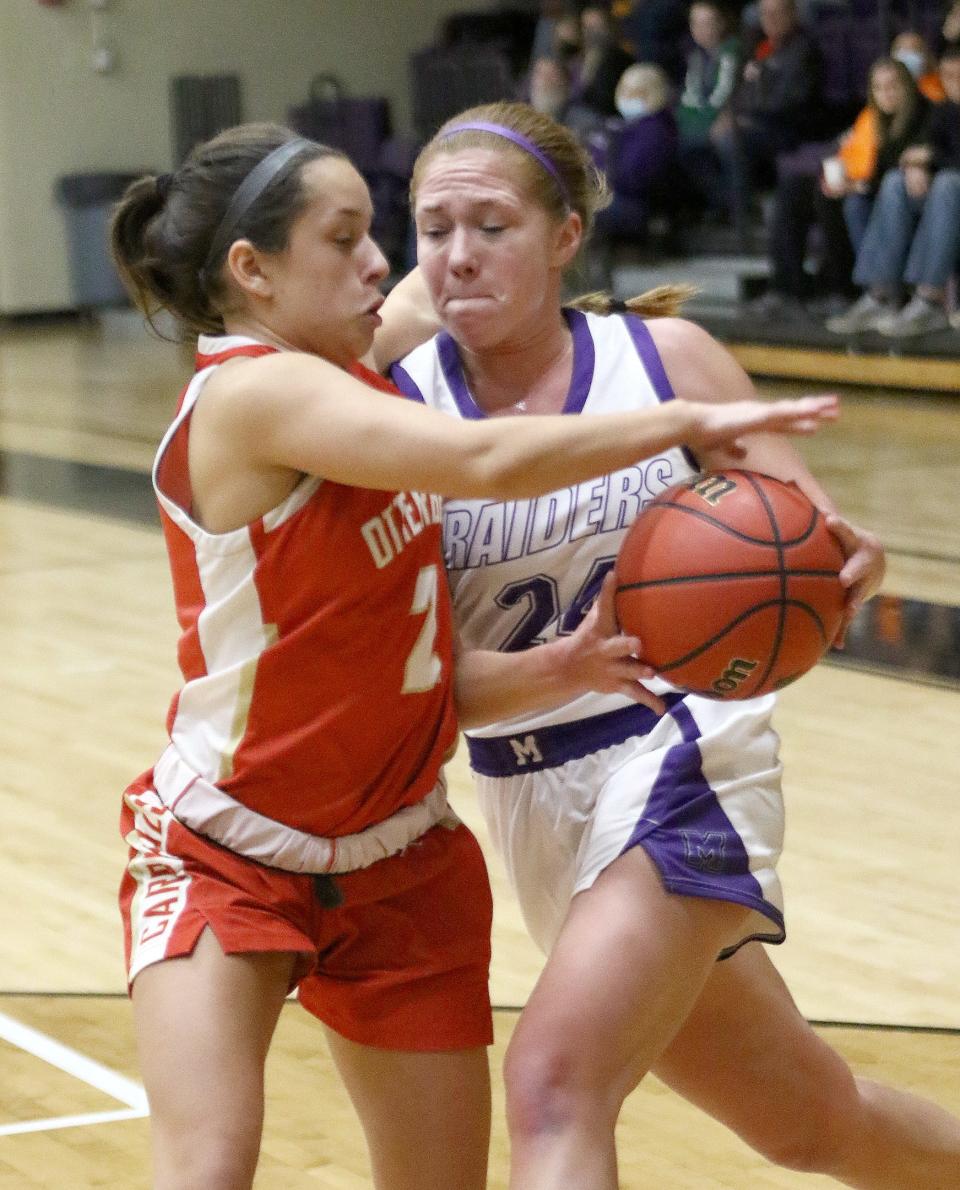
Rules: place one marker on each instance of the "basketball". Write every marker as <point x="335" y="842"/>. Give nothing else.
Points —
<point x="730" y="580"/>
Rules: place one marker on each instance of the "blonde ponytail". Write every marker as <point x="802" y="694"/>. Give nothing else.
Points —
<point x="664" y="301"/>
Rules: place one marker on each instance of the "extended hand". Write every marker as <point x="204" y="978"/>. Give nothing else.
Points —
<point x="863" y="570"/>
<point x="601" y="658"/>
<point x="722" y="424"/>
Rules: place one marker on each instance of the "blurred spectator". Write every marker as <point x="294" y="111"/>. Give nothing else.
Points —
<point x="896" y="116"/>
<point x="711" y="71"/>
<point x="601" y="62"/>
<point x="835" y="193"/>
<point x="708" y="84"/>
<point x="913" y="236"/>
<point x="545" y="33"/>
<point x="806" y="14"/>
<point x="653" y="31"/>
<point x="774" y="107"/>
<point x="640" y="159"/>
<point x="557" y="47"/>
<point x="567" y="37"/>
<point x="548" y="87"/>
<point x="912" y="50"/>
<point x="950" y="30"/>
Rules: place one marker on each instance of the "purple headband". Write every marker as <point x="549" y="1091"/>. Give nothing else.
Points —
<point x="518" y="139"/>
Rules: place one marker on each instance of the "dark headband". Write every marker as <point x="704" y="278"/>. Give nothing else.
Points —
<point x="521" y="141"/>
<point x="249" y="190"/>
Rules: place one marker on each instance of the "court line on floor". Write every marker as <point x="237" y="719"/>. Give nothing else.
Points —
<point x="55" y="1122"/>
<point x="126" y="1090"/>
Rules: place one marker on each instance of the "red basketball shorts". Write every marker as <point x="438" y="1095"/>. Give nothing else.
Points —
<point x="400" y="961"/>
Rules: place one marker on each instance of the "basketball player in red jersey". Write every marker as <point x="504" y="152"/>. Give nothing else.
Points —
<point x="642" y="846"/>
<point x="270" y="844"/>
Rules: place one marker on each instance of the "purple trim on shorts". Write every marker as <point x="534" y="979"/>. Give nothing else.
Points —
<point x="653" y="366"/>
<point x="690" y="839"/>
<point x="584" y="362"/>
<point x="553" y="745"/>
<point x="521" y="141"/>
<point x="405" y="383"/>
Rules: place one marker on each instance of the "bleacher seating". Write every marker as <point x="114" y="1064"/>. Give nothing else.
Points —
<point x="472" y="64"/>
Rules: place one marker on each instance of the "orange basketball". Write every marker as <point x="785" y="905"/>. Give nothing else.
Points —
<point x="730" y="582"/>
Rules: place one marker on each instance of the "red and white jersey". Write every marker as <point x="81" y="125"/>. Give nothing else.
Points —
<point x="315" y="649"/>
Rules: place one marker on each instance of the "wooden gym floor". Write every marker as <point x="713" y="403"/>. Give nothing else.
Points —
<point x="87" y="635"/>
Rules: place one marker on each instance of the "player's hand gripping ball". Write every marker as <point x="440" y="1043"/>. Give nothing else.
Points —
<point x="730" y="580"/>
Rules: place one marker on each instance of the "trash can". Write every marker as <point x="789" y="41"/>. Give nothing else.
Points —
<point x="87" y="200"/>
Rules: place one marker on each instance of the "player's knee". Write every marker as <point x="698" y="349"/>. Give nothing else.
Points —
<point x="552" y="1089"/>
<point x="816" y="1138"/>
<point x="227" y="1163"/>
<point x="212" y="1171"/>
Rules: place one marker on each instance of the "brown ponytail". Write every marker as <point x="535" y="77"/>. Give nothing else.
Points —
<point x="142" y="273"/>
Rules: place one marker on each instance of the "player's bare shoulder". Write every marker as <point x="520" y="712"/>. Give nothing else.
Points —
<point x="676" y="337"/>
<point x="698" y="366"/>
<point x="248" y="399"/>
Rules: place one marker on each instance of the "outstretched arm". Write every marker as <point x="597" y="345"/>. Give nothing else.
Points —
<point x="298" y="412"/>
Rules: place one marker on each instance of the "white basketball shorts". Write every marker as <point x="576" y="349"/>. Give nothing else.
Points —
<point x="698" y="789"/>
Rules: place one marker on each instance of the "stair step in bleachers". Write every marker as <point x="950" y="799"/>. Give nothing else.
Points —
<point x="724" y="279"/>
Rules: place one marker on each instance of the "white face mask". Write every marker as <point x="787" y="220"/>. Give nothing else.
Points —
<point x="632" y="107"/>
<point x="913" y="60"/>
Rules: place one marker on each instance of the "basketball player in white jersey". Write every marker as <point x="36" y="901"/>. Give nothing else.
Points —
<point x="641" y="840"/>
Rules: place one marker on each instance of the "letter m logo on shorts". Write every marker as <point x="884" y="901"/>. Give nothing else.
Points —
<point x="526" y="751"/>
<point x="705" y="849"/>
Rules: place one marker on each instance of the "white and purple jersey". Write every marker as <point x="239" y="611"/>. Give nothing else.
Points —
<point x="525" y="571"/>
<point x="567" y="790"/>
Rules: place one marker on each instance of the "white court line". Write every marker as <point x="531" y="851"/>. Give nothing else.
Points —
<point x="94" y="1074"/>
<point x="97" y="1117"/>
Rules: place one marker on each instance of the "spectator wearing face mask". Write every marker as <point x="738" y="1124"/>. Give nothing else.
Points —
<point x="912" y="50"/>
<point x="641" y="158"/>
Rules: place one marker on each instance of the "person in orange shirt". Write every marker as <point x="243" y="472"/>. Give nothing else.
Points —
<point x="896" y="116"/>
<point x="912" y="241"/>
<point x="838" y="195"/>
